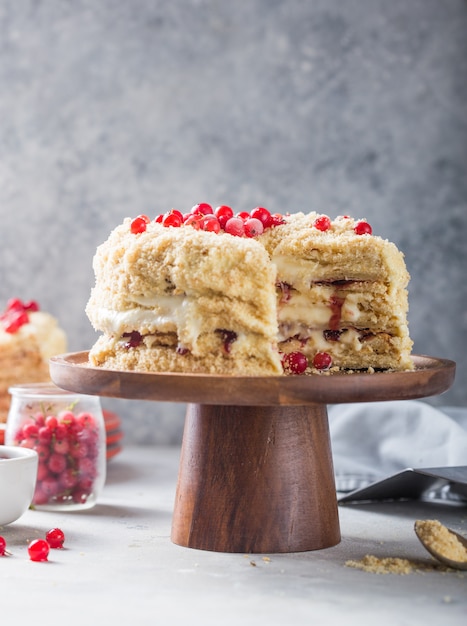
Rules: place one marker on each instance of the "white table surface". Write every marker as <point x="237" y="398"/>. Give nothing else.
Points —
<point x="119" y="565"/>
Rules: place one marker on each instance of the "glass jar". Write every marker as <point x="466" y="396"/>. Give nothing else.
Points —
<point x="67" y="430"/>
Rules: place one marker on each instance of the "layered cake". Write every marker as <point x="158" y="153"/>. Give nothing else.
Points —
<point x="28" y="338"/>
<point x="250" y="294"/>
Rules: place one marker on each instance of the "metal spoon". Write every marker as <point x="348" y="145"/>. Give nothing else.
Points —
<point x="441" y="557"/>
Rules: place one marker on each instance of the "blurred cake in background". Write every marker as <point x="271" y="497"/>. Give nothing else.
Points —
<point x="28" y="338"/>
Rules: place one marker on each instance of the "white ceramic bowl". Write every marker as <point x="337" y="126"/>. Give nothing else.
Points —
<point x="18" y="473"/>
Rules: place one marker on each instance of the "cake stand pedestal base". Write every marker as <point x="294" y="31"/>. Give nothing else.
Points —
<point x="256" y="480"/>
<point x="256" y="471"/>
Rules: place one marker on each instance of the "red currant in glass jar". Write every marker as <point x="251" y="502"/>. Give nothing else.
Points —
<point x="70" y="441"/>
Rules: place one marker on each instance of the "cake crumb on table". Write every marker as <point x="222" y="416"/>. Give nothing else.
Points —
<point x="393" y="565"/>
<point x="387" y="565"/>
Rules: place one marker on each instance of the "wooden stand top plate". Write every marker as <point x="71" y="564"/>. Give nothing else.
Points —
<point x="431" y="376"/>
<point x="256" y="470"/>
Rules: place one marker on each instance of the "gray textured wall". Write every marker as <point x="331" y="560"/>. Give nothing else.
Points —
<point x="111" y="108"/>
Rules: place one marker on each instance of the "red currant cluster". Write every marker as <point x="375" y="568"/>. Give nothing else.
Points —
<point x="68" y="449"/>
<point x="39" y="549"/>
<point x="323" y="223"/>
<point x="203" y="217"/>
<point x="16" y="314"/>
<point x="297" y="362"/>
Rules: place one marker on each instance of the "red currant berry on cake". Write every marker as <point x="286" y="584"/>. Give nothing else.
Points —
<point x="13" y="320"/>
<point x="322" y="361"/>
<point x="172" y="218"/>
<point x="194" y="220"/>
<point x="210" y="223"/>
<point x="31" y="306"/>
<point x="253" y="227"/>
<point x="223" y="214"/>
<point x="235" y="226"/>
<point x="277" y="219"/>
<point x="203" y="208"/>
<point x="134" y="340"/>
<point x="38" y="550"/>
<point x="138" y="224"/>
<point x="55" y="538"/>
<point x="2" y="546"/>
<point x="228" y="338"/>
<point x="243" y="215"/>
<point x="362" y="228"/>
<point x="263" y="215"/>
<point x="322" y="223"/>
<point x="14" y="304"/>
<point x="294" y="363"/>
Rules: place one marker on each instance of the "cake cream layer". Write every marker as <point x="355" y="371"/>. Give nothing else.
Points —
<point x="366" y="305"/>
<point x="211" y="302"/>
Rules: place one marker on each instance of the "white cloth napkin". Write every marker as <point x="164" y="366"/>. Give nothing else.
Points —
<point x="371" y="441"/>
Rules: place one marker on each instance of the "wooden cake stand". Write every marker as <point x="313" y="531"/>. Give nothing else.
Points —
<point x="256" y="472"/>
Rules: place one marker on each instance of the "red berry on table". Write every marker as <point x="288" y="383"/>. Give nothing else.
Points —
<point x="322" y="223"/>
<point x="55" y="538"/>
<point x="362" y="228"/>
<point x="203" y="207"/>
<point x="38" y="550"/>
<point x="263" y="215"/>
<point x="138" y="224"/>
<point x="253" y="227"/>
<point x="294" y="363"/>
<point x="234" y="226"/>
<point x="322" y="361"/>
<point x="2" y="546"/>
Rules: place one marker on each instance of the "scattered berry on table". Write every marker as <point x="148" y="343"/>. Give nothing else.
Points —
<point x="38" y="550"/>
<point x="55" y="537"/>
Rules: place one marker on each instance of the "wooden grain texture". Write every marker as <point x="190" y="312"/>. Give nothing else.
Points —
<point x="431" y="376"/>
<point x="256" y="471"/>
<point x="256" y="480"/>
